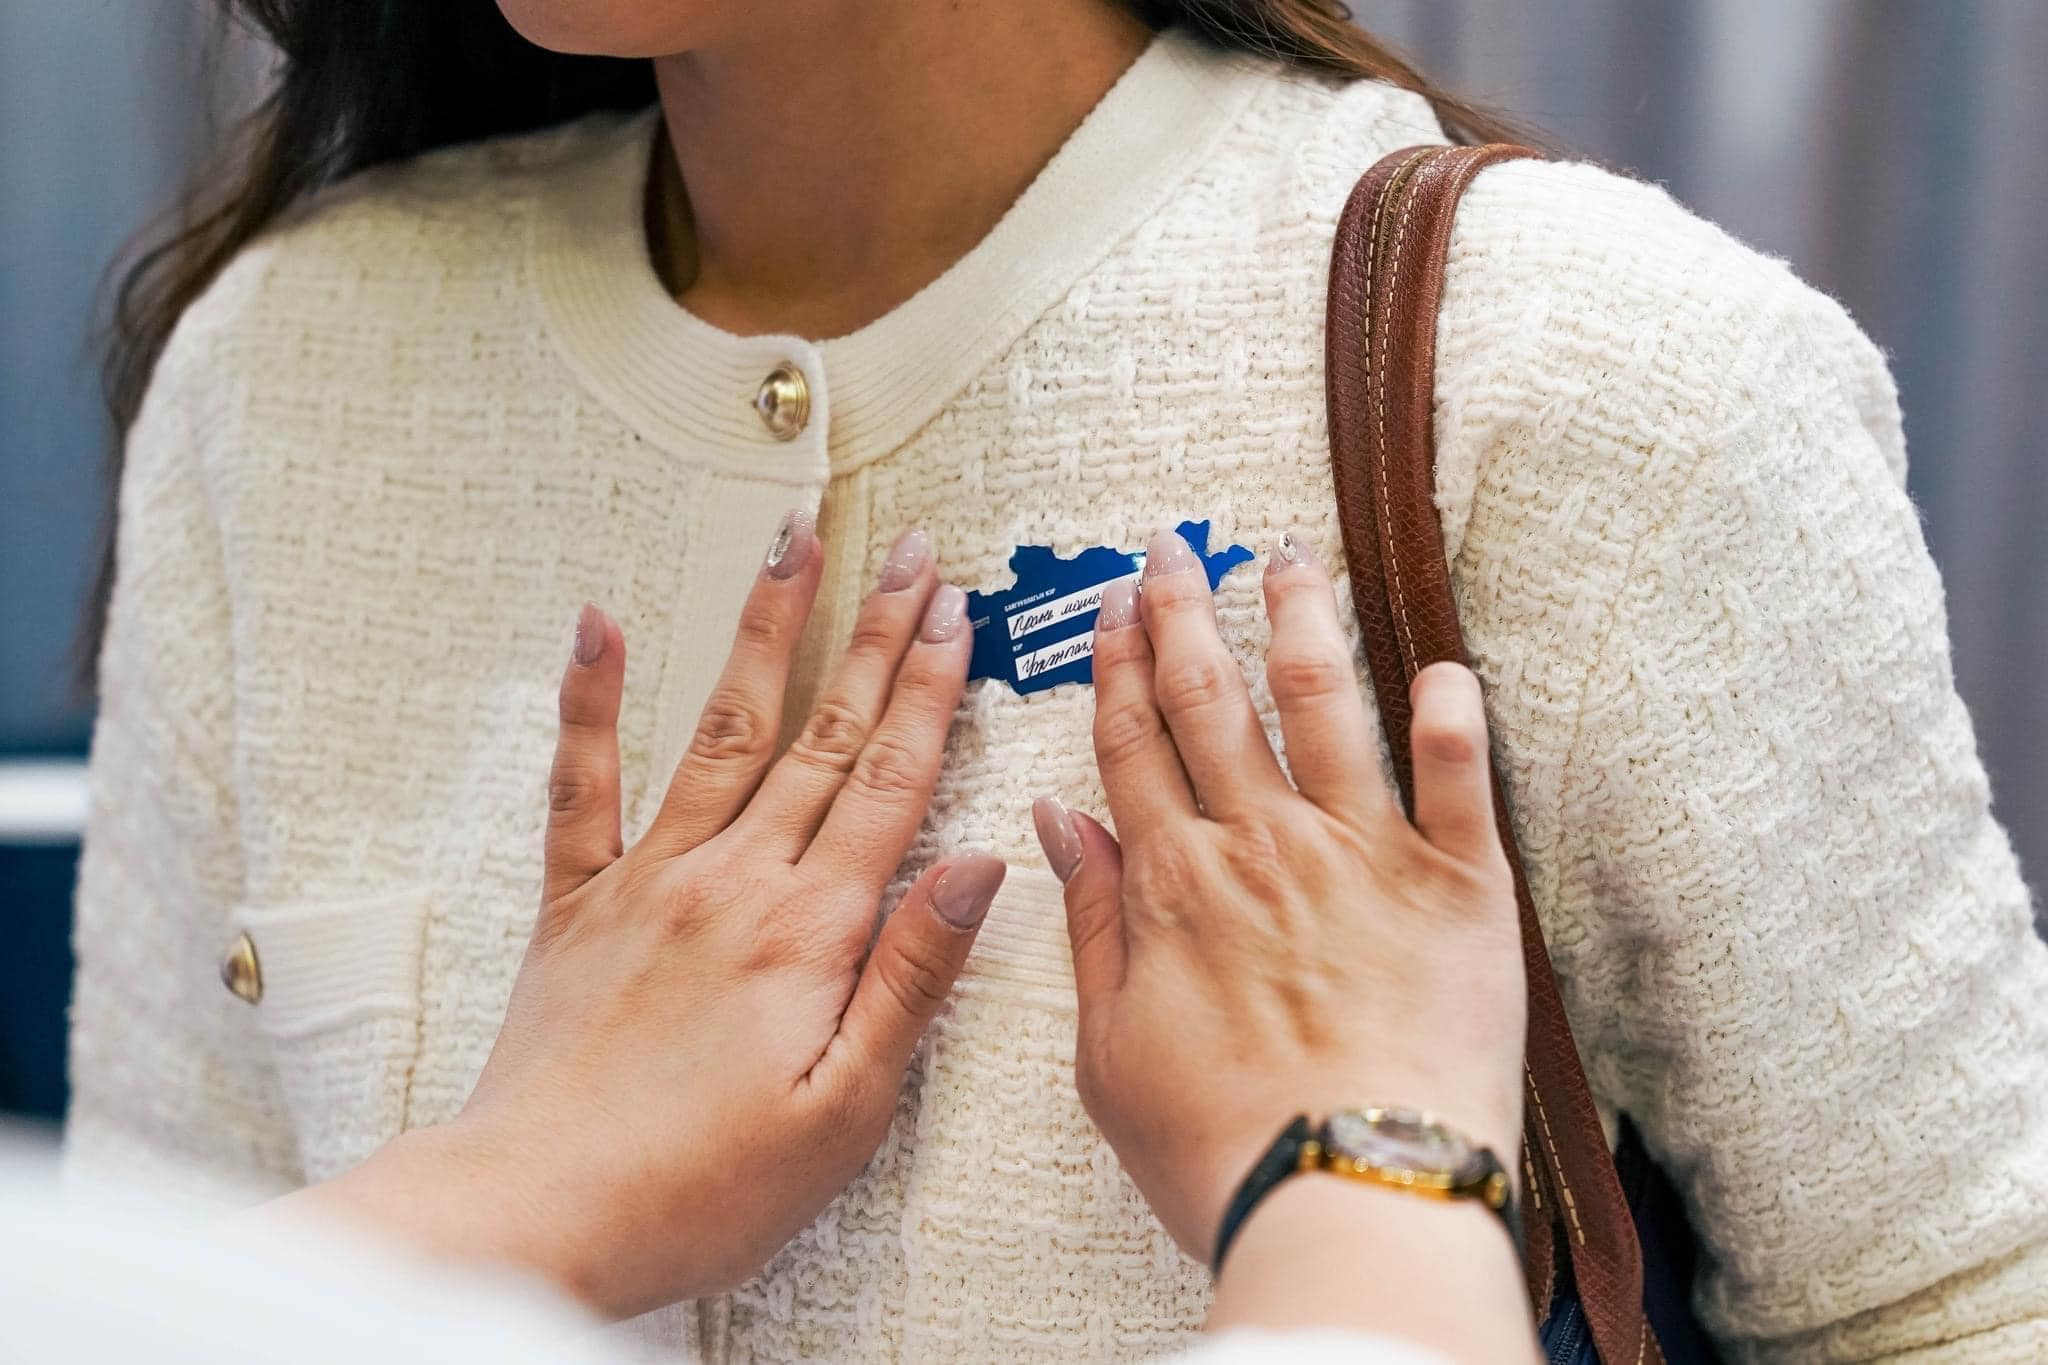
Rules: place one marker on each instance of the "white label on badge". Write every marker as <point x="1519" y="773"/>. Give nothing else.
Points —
<point x="1055" y="656"/>
<point x="1060" y="609"/>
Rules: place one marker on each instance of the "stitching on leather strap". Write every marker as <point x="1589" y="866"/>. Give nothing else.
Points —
<point x="1380" y="448"/>
<point x="1643" y="1343"/>
<point x="1564" y="1189"/>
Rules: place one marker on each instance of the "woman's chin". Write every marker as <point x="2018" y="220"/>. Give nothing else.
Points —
<point x="618" y="28"/>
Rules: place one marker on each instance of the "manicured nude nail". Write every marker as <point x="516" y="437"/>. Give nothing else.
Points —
<point x="1290" y="551"/>
<point x="590" y="633"/>
<point x="944" y="617"/>
<point x="795" y="541"/>
<point x="905" y="561"/>
<point x="1119" y="605"/>
<point x="965" y="889"/>
<point x="1168" y="553"/>
<point x="1058" y="836"/>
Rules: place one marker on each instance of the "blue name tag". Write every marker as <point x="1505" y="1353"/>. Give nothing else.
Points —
<point x="1041" y="632"/>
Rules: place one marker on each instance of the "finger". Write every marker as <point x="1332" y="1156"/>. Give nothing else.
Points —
<point x="907" y="977"/>
<point x="1331" y="751"/>
<point x="1453" y="769"/>
<point x="799" y="789"/>
<point x="885" y="795"/>
<point x="583" y="785"/>
<point x="735" y="736"/>
<point x="1090" y="866"/>
<point x="1201" y="691"/>
<point x="1141" y="770"/>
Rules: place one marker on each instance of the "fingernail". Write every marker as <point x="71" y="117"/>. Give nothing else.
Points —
<point x="943" y="617"/>
<point x="1288" y="552"/>
<point x="965" y="889"/>
<point x="791" y="549"/>
<point x="589" y="635"/>
<point x="905" y="561"/>
<point x="1057" y="836"/>
<point x="1168" y="553"/>
<point x="1119" y="605"/>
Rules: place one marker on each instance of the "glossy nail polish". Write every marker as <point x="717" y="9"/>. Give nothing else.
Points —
<point x="966" y="889"/>
<point x="590" y="635"/>
<point x="796" y="539"/>
<point x="944" y="617"/>
<point x="1290" y="551"/>
<point x="1169" y="554"/>
<point x="1057" y="835"/>
<point x="905" y="561"/>
<point x="1119" y="605"/>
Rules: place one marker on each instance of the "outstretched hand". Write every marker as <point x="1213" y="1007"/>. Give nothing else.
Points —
<point x="1254" y="942"/>
<point x="701" y="1049"/>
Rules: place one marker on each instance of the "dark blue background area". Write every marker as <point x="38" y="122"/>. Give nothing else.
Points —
<point x="35" y="980"/>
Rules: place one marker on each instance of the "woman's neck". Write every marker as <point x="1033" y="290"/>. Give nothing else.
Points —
<point x="838" y="162"/>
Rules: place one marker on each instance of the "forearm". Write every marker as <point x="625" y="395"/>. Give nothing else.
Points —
<point x="1324" y="1251"/>
<point x="443" y="1192"/>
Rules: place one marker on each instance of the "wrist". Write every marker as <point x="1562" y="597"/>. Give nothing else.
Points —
<point x="452" y="1191"/>
<point x="1324" y="1250"/>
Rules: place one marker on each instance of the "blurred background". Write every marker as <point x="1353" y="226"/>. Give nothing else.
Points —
<point x="1890" y="149"/>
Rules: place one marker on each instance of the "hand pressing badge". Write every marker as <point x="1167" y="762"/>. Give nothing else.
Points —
<point x="1040" y="632"/>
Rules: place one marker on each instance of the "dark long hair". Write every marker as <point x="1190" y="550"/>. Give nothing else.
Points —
<point x="363" y="84"/>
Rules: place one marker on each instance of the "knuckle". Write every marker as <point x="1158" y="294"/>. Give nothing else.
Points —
<point x="1177" y="594"/>
<point x="1469" y="894"/>
<point x="916" y="983"/>
<point x="1293" y="585"/>
<point x="1307" y="675"/>
<point x="572" y="788"/>
<point x="833" y="737"/>
<point x="1118" y="648"/>
<point x="579" y="706"/>
<point x="1453" y="741"/>
<point x="1194" y="684"/>
<point x="763" y="627"/>
<point x="888" y="768"/>
<point x="1256" y="860"/>
<point x="875" y="633"/>
<point x="1123" y="732"/>
<point x="732" y="729"/>
<point x="680" y="914"/>
<point x="1161" y="886"/>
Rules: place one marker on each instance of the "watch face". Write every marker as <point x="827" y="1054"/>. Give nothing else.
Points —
<point x="1403" y="1140"/>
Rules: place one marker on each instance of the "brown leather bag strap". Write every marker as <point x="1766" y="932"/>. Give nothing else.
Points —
<point x="1386" y="282"/>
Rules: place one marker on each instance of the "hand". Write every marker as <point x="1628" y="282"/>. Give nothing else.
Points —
<point x="700" y="1050"/>
<point x="1256" y="948"/>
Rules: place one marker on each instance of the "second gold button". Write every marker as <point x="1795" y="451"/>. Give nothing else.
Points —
<point x="240" y="972"/>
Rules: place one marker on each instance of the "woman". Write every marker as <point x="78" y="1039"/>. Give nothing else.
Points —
<point x="1073" y="274"/>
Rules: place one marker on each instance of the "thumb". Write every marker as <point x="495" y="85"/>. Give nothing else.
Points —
<point x="916" y="957"/>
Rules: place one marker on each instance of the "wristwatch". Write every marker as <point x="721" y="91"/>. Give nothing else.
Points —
<point x="1399" y="1148"/>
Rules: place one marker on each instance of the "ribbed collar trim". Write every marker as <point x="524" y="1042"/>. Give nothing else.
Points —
<point x="689" y="386"/>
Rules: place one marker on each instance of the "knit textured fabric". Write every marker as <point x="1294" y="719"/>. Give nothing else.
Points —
<point x="403" y="436"/>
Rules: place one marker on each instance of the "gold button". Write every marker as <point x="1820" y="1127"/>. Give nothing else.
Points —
<point x="239" y="970"/>
<point x="784" y="402"/>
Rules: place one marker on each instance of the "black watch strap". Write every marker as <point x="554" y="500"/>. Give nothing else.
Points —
<point x="1284" y="1158"/>
<point x="1281" y="1160"/>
